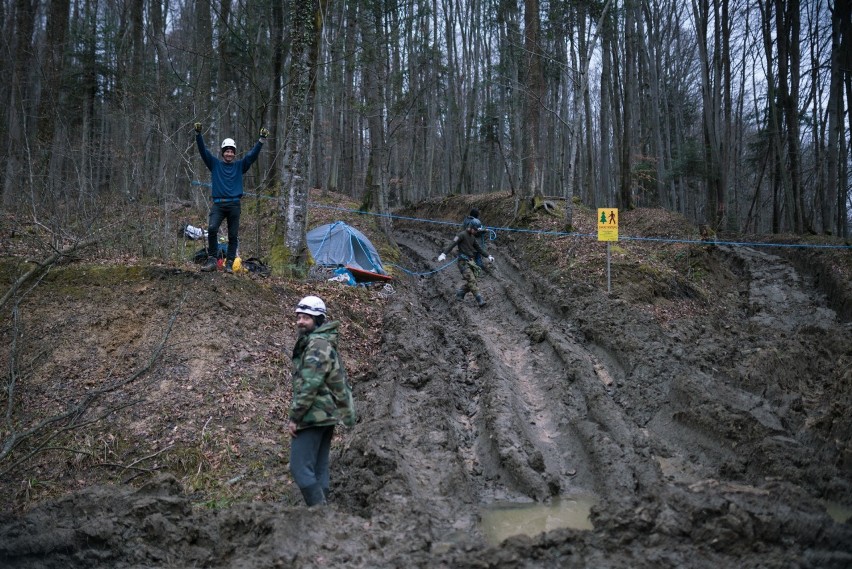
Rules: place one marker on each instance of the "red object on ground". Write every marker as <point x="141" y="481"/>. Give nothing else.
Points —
<point x="362" y="276"/>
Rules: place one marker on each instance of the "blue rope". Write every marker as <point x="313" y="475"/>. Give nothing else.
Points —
<point x="493" y="230"/>
<point x="427" y="273"/>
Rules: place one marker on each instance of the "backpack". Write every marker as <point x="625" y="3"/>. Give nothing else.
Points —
<point x="200" y="256"/>
<point x="256" y="266"/>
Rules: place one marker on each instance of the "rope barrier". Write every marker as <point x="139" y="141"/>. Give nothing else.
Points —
<point x="427" y="273"/>
<point x="492" y="230"/>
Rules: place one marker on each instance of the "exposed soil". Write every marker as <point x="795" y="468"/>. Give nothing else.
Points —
<point x="705" y="411"/>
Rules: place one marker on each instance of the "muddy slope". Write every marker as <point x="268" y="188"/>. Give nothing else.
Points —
<point x="705" y="442"/>
<point x="690" y="433"/>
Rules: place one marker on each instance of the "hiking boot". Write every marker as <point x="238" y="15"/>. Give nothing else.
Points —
<point x="229" y="267"/>
<point x="480" y="301"/>
<point x="313" y="495"/>
<point x="210" y="265"/>
<point x="460" y="294"/>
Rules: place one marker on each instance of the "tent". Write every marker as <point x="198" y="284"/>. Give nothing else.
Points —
<point x="338" y="244"/>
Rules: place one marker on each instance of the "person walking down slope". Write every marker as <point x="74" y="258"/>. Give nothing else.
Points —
<point x="226" y="176"/>
<point x="322" y="397"/>
<point x="468" y="247"/>
<point x="480" y="235"/>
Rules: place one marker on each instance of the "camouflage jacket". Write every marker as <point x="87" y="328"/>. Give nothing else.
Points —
<point x="467" y="244"/>
<point x="321" y="393"/>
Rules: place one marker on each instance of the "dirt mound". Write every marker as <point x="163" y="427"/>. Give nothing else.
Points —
<point x="702" y="406"/>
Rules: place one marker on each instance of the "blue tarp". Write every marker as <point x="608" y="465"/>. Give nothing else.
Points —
<point x="338" y="244"/>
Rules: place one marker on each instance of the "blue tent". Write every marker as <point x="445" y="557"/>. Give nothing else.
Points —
<point x="338" y="244"/>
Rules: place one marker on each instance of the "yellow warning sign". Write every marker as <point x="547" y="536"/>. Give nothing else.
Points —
<point x="607" y="224"/>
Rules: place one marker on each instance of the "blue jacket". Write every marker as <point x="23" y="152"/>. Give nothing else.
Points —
<point x="227" y="179"/>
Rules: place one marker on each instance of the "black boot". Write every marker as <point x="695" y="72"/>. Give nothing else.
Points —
<point x="479" y="300"/>
<point x="313" y="495"/>
<point x="210" y="265"/>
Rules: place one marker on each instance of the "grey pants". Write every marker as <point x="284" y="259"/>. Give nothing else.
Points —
<point x="309" y="452"/>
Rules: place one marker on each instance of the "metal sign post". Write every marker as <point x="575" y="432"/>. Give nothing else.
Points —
<point x="608" y="277"/>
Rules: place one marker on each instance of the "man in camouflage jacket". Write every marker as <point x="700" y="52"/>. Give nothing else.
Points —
<point x="321" y="398"/>
<point x="468" y="246"/>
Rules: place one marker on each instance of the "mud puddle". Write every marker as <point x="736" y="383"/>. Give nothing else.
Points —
<point x="839" y="513"/>
<point x="503" y="520"/>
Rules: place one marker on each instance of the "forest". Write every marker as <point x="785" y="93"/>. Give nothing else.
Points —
<point x="733" y="113"/>
<point x="690" y="397"/>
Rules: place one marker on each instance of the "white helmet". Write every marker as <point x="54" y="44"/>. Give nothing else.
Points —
<point x="312" y="305"/>
<point x="229" y="143"/>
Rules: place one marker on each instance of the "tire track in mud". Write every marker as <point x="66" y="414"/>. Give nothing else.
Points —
<point x="693" y="402"/>
<point x="518" y="430"/>
<point x="715" y="412"/>
<point x="595" y="431"/>
<point x="523" y="404"/>
<point x="535" y="396"/>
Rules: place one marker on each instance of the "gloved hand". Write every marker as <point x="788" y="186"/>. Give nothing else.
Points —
<point x="198" y="127"/>
<point x="442" y="257"/>
<point x="264" y="132"/>
<point x="490" y="259"/>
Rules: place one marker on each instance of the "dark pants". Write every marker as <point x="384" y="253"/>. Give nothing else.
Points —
<point x="220" y="212"/>
<point x="309" y="452"/>
<point x="478" y="257"/>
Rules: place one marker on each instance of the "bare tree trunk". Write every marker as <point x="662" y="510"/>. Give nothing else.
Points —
<point x="165" y="157"/>
<point x="376" y="180"/>
<point x="711" y="90"/>
<point x="510" y="100"/>
<point x="651" y="54"/>
<point x="630" y="94"/>
<point x="49" y="111"/>
<point x="604" y="193"/>
<point x="534" y="86"/>
<point x="472" y="67"/>
<point x="844" y="150"/>
<point x="840" y="33"/>
<point x="349" y="121"/>
<point x="202" y="70"/>
<point x="291" y="248"/>
<point x="581" y="94"/>
<point x="227" y="100"/>
<point x="590" y="182"/>
<point x="787" y="39"/>
<point x="279" y="56"/>
<point x="17" y="106"/>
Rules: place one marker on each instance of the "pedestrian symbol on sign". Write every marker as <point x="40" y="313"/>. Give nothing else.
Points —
<point x="607" y="224"/>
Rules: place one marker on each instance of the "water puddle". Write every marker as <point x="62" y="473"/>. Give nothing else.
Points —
<point x="838" y="512"/>
<point x="502" y="520"/>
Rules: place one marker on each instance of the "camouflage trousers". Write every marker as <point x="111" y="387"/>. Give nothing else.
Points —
<point x="469" y="271"/>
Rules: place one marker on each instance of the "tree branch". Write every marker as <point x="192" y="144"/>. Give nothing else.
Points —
<point x="42" y="266"/>
<point x="15" y="439"/>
